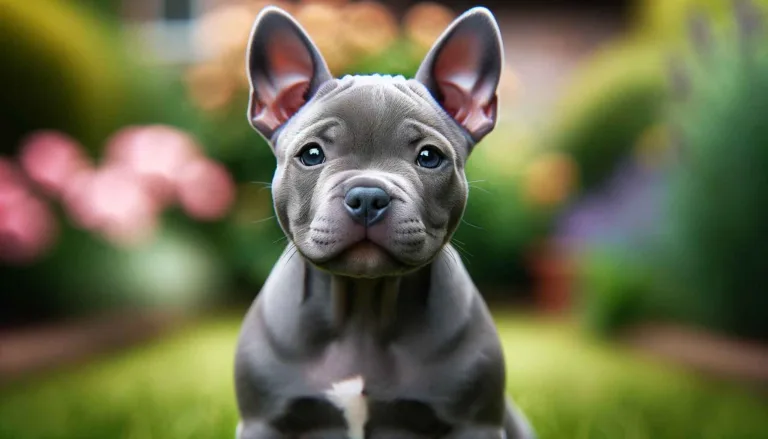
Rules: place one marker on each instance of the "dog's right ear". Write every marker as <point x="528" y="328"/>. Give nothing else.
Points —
<point x="284" y="70"/>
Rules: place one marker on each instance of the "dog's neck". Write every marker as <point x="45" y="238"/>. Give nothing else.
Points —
<point x="387" y="306"/>
<point x="433" y="301"/>
<point x="371" y="304"/>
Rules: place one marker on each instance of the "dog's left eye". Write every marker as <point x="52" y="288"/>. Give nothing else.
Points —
<point x="429" y="157"/>
<point x="311" y="155"/>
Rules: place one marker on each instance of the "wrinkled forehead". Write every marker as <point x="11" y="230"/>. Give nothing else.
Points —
<point x="376" y="109"/>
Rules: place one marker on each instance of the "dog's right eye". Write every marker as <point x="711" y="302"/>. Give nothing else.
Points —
<point x="311" y="155"/>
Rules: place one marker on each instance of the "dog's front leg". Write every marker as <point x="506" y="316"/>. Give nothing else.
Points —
<point x="257" y="430"/>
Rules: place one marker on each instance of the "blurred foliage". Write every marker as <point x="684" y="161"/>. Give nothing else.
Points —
<point x="718" y="217"/>
<point x="613" y="285"/>
<point x="72" y="72"/>
<point x="109" y="9"/>
<point x="704" y="262"/>
<point x="73" y="56"/>
<point x="620" y="92"/>
<point x="65" y="71"/>
<point x="615" y="97"/>
<point x="509" y="209"/>
<point x="180" y="268"/>
<point x="667" y="21"/>
<point x="569" y="387"/>
<point x="400" y="58"/>
<point x="615" y="107"/>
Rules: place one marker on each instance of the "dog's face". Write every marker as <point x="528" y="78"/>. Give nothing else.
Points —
<point x="370" y="169"/>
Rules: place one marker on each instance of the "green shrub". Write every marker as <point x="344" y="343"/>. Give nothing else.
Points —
<point x="621" y="91"/>
<point x="612" y="288"/>
<point x="718" y="240"/>
<point x="400" y="58"/>
<point x="61" y="70"/>
<point x="613" y="100"/>
<point x="667" y="21"/>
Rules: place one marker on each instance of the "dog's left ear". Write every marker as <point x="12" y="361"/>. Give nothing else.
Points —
<point x="463" y="68"/>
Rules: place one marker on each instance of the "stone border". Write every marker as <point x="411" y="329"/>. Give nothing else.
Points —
<point x="704" y="351"/>
<point x="28" y="351"/>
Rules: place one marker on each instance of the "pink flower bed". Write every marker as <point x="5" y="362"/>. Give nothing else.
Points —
<point x="145" y="170"/>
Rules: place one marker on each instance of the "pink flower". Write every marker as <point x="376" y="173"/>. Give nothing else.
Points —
<point x="9" y="171"/>
<point x="206" y="190"/>
<point x="12" y="186"/>
<point x="113" y="202"/>
<point x="27" y="227"/>
<point x="156" y="153"/>
<point x="76" y="200"/>
<point x="51" y="159"/>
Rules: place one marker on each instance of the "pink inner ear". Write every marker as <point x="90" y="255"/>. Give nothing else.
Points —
<point x="277" y="98"/>
<point x="271" y="114"/>
<point x="465" y="94"/>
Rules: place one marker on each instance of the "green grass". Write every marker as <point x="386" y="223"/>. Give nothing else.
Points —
<point x="569" y="386"/>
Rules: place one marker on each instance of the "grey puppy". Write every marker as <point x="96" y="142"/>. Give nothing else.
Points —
<point x="369" y="325"/>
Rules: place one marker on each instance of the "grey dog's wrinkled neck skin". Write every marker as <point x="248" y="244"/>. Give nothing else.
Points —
<point x="381" y="309"/>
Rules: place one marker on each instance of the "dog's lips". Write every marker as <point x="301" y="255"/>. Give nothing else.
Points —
<point x="365" y="249"/>
<point x="366" y="258"/>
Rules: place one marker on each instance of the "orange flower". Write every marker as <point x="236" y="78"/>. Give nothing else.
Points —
<point x="323" y="24"/>
<point x="549" y="179"/>
<point x="368" y="27"/>
<point x="225" y="29"/>
<point x="426" y="21"/>
<point x="210" y="86"/>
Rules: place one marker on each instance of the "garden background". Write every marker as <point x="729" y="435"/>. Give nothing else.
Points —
<point x="627" y="267"/>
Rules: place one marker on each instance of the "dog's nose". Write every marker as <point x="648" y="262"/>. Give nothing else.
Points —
<point x="367" y="205"/>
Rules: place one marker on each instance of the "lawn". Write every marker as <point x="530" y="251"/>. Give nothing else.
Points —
<point x="571" y="387"/>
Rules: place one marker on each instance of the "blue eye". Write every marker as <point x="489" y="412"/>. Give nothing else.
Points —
<point x="311" y="155"/>
<point x="429" y="157"/>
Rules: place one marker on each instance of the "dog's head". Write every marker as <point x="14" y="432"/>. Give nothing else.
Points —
<point x="370" y="169"/>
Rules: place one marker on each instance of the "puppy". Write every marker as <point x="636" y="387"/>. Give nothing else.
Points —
<point x="369" y="325"/>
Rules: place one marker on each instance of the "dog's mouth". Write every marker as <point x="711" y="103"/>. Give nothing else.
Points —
<point x="365" y="258"/>
<point x="364" y="248"/>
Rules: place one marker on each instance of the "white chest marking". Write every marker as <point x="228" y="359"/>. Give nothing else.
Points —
<point x="348" y="396"/>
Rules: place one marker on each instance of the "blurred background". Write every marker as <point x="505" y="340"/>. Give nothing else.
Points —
<point x="627" y="268"/>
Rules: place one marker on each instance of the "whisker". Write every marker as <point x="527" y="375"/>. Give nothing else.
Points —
<point x="297" y="230"/>
<point x="471" y="225"/>
<point x="480" y="188"/>
<point x="284" y="237"/>
<point x="264" y="219"/>
<point x="464" y="254"/>
<point x="264" y="185"/>
<point x="457" y="246"/>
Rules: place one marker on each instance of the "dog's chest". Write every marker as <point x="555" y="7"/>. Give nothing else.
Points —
<point x="379" y="386"/>
<point x="356" y="355"/>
